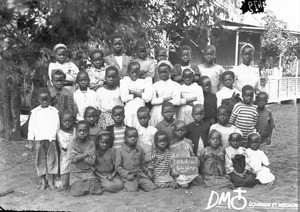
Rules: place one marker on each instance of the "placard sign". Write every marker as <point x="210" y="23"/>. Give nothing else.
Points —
<point x="185" y="165"/>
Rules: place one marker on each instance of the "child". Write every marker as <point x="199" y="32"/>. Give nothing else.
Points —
<point x="61" y="97"/>
<point x="237" y="162"/>
<point x="97" y="70"/>
<point x="244" y="114"/>
<point x="146" y="132"/>
<point x="69" y="68"/>
<point x="160" y="164"/>
<point x="167" y="124"/>
<point x="134" y="93"/>
<point x="118" y="128"/>
<point x="258" y="160"/>
<point x="82" y="158"/>
<point x="42" y="128"/>
<point x="65" y="135"/>
<point x="212" y="162"/>
<point x="265" y="122"/>
<point x="197" y="131"/>
<point x="105" y="164"/>
<point x="109" y="96"/>
<point x="210" y="101"/>
<point x="118" y="59"/>
<point x="182" y="147"/>
<point x="131" y="164"/>
<point x="227" y="90"/>
<point x="210" y="69"/>
<point x="165" y="90"/>
<point x="91" y="116"/>
<point x="185" y="54"/>
<point x="191" y="94"/>
<point x="84" y="96"/>
<point x="161" y="54"/>
<point x="223" y="125"/>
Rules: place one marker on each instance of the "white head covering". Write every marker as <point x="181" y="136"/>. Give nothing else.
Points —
<point x="165" y="62"/>
<point x="59" y="45"/>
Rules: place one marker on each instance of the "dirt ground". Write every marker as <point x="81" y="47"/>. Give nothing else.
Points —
<point x="18" y="172"/>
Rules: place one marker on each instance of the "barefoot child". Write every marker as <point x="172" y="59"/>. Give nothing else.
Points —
<point x="131" y="164"/>
<point x="42" y="128"/>
<point x="91" y="116"/>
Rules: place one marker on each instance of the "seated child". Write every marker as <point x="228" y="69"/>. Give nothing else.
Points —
<point x="118" y="128"/>
<point x="161" y="54"/>
<point x="190" y="94"/>
<point x="42" y="128"/>
<point x="65" y="135"/>
<point x="105" y="164"/>
<point x="160" y="163"/>
<point x="258" y="161"/>
<point x="210" y="101"/>
<point x="237" y="162"/>
<point x="135" y="93"/>
<point x="197" y="131"/>
<point x="223" y="125"/>
<point x="91" y="116"/>
<point x="244" y="114"/>
<point x="146" y="132"/>
<point x="167" y="124"/>
<point x="212" y="163"/>
<point x="82" y="158"/>
<point x="182" y="147"/>
<point x="131" y="164"/>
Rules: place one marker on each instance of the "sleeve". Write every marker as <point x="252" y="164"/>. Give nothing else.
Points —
<point x="257" y="86"/>
<point x="176" y="94"/>
<point x="147" y="94"/>
<point x="72" y="151"/>
<point x="200" y="96"/>
<point x="72" y="73"/>
<point x="61" y="142"/>
<point x="228" y="162"/>
<point x="219" y="98"/>
<point x="233" y="115"/>
<point x="247" y="160"/>
<point x="156" y="100"/>
<point x="264" y="159"/>
<point x="119" y="164"/>
<point x="151" y="69"/>
<point x="31" y="126"/>
<point x="272" y="122"/>
<point x="124" y="91"/>
<point x="90" y="160"/>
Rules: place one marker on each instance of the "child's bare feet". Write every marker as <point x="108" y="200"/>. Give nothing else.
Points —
<point x="44" y="185"/>
<point x="52" y="187"/>
<point x="272" y="184"/>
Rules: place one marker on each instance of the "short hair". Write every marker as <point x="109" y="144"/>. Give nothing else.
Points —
<point x="116" y="35"/>
<point x="167" y="104"/>
<point x="117" y="107"/>
<point x="240" y="135"/>
<point x="215" y="131"/>
<point x="141" y="43"/>
<point x="81" y="73"/>
<point x="111" y="68"/>
<point x="43" y="90"/>
<point x="178" y="122"/>
<point x="262" y="93"/>
<point x="253" y="134"/>
<point x="95" y="51"/>
<point x="203" y="78"/>
<point x="133" y="63"/>
<point x="105" y="133"/>
<point x="197" y="106"/>
<point x="158" y="133"/>
<point x="184" y="47"/>
<point x="160" y="49"/>
<point x="143" y="110"/>
<point x="247" y="88"/>
<point x="188" y="69"/>
<point x="82" y="122"/>
<point x="128" y="129"/>
<point x="88" y="109"/>
<point x="224" y="107"/>
<point x="57" y="72"/>
<point x="225" y="73"/>
<point x="64" y="112"/>
<point x="210" y="47"/>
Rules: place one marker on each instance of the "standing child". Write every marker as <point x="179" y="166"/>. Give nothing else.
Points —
<point x="210" y="101"/>
<point x="42" y="128"/>
<point x="160" y="164"/>
<point x="131" y="164"/>
<point x="105" y="164"/>
<point x="244" y="114"/>
<point x="91" y="116"/>
<point x="161" y="54"/>
<point x="135" y="93"/>
<point x="265" y="122"/>
<point x="84" y="96"/>
<point x="191" y="94"/>
<point x="109" y="96"/>
<point x="165" y="90"/>
<point x="210" y="69"/>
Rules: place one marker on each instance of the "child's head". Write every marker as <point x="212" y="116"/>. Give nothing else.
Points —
<point x="117" y="114"/>
<point x="91" y="115"/>
<point x="141" y="49"/>
<point x="82" y="130"/>
<point x="117" y="44"/>
<point x="247" y="52"/>
<point x="210" y="54"/>
<point x="96" y="57"/>
<point x="254" y="140"/>
<point x="179" y="130"/>
<point x="247" y="94"/>
<point x="161" y="140"/>
<point x="227" y="79"/>
<point x="143" y="115"/>
<point x="262" y="99"/>
<point x="198" y="113"/>
<point x="60" y="53"/>
<point x="104" y="139"/>
<point x="112" y="76"/>
<point x="235" y="139"/>
<point x="205" y="83"/>
<point x="185" y="54"/>
<point x="66" y="120"/>
<point x="44" y="97"/>
<point x="58" y="78"/>
<point x="161" y="53"/>
<point x="83" y="80"/>
<point x="223" y="115"/>
<point x="131" y="137"/>
<point x="167" y="111"/>
<point x="133" y="70"/>
<point x="215" y="139"/>
<point x="164" y="70"/>
<point x="188" y="76"/>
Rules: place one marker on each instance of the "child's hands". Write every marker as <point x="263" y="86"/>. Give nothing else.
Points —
<point x="110" y="177"/>
<point x="130" y="177"/>
<point x="168" y="99"/>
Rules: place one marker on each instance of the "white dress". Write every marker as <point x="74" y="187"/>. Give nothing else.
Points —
<point x="163" y="89"/>
<point x="246" y="75"/>
<point x="225" y="93"/>
<point x="214" y="74"/>
<point x="133" y="104"/>
<point x="185" y="110"/>
<point x="146" y="140"/>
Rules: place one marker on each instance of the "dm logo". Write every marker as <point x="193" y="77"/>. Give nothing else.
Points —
<point x="253" y="6"/>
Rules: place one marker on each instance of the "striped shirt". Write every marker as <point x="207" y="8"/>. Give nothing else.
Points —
<point x="244" y="117"/>
<point x="119" y="136"/>
<point x="161" y="163"/>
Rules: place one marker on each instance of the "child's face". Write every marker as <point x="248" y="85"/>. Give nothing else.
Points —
<point x="60" y="55"/>
<point x="185" y="56"/>
<point x="58" y="81"/>
<point x="206" y="85"/>
<point x="235" y="140"/>
<point x="97" y="60"/>
<point x="247" y="55"/>
<point x="261" y="101"/>
<point x="104" y="142"/>
<point x="180" y="130"/>
<point x="198" y="114"/>
<point x="83" y="81"/>
<point x="209" y="55"/>
<point x="131" y="138"/>
<point x="162" y="142"/>
<point x="248" y="96"/>
<point x="254" y="142"/>
<point x="163" y="73"/>
<point x="223" y="117"/>
<point x="111" y="78"/>
<point x="82" y="132"/>
<point x="168" y="113"/>
<point x="117" y="46"/>
<point x="92" y="117"/>
<point x="188" y="77"/>
<point x="141" y="52"/>
<point x="134" y="72"/>
<point x="215" y="140"/>
<point x="67" y="121"/>
<point x="162" y="55"/>
<point x="143" y="118"/>
<point x="44" y="100"/>
<point x="118" y="116"/>
<point x="228" y="81"/>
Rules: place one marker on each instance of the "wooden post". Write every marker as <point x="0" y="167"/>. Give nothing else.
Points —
<point x="237" y="35"/>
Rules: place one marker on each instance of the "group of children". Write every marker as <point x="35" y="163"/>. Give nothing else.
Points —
<point x="119" y="124"/>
